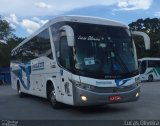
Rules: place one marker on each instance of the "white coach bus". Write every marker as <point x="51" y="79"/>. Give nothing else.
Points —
<point x="78" y="61"/>
<point x="149" y="69"/>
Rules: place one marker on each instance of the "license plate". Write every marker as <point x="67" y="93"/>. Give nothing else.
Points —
<point x="115" y="98"/>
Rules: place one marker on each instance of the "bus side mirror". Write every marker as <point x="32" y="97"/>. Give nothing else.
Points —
<point x="69" y="33"/>
<point x="145" y="37"/>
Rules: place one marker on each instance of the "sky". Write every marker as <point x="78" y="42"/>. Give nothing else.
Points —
<point x="26" y="16"/>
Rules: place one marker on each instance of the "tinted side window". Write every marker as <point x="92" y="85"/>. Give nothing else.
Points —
<point x="64" y="53"/>
<point x="43" y="43"/>
<point x="28" y="53"/>
<point x="37" y="47"/>
<point x="152" y="63"/>
<point x="16" y="56"/>
<point x="158" y="63"/>
<point x="143" y="67"/>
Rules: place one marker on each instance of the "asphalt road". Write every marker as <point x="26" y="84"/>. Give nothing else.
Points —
<point x="34" y="108"/>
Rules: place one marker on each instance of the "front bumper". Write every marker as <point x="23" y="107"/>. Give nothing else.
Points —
<point x="94" y="98"/>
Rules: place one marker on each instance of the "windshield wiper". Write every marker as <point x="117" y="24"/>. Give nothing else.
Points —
<point x="122" y="63"/>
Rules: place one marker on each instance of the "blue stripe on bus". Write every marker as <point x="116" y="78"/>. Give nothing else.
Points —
<point x="26" y="68"/>
<point x="120" y="82"/>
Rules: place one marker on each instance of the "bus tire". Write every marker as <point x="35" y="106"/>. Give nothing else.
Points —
<point x="52" y="97"/>
<point x="150" y="78"/>
<point x="20" y="93"/>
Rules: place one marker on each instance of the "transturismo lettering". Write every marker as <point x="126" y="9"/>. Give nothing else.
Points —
<point x="38" y="66"/>
<point x="90" y="38"/>
<point x="103" y="82"/>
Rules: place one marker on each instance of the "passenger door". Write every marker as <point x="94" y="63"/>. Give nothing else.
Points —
<point x="65" y="62"/>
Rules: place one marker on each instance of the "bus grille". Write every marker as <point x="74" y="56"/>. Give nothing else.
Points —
<point x="114" y="89"/>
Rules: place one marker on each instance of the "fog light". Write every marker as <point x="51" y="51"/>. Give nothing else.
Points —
<point x="137" y="94"/>
<point x="83" y="98"/>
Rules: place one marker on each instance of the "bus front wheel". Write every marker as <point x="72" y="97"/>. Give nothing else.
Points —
<point x="52" y="97"/>
<point x="150" y="78"/>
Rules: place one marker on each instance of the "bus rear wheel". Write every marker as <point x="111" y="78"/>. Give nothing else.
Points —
<point x="150" y="78"/>
<point x="52" y="98"/>
<point x="20" y="93"/>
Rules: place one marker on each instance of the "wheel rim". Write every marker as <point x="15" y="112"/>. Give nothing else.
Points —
<point x="53" y="97"/>
<point x="150" y="78"/>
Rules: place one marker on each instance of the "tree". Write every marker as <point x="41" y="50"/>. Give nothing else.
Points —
<point x="6" y="33"/>
<point x="5" y="50"/>
<point x="152" y="28"/>
<point x="5" y="30"/>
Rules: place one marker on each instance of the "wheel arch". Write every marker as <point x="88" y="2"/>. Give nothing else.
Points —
<point x="49" y="82"/>
<point x="152" y="77"/>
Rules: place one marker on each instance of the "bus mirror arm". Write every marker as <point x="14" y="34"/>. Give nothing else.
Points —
<point x="69" y="33"/>
<point x="145" y="36"/>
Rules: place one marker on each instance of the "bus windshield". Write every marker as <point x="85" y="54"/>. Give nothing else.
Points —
<point x="104" y="50"/>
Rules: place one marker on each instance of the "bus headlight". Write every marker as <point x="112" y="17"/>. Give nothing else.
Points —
<point x="137" y="81"/>
<point x="83" y="85"/>
<point x="137" y="94"/>
<point x="84" y="98"/>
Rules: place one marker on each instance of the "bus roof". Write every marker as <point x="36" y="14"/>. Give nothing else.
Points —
<point x="87" y="19"/>
<point x="74" y="18"/>
<point x="148" y="58"/>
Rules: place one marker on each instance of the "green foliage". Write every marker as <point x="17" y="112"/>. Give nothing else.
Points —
<point x="152" y="28"/>
<point x="5" y="50"/>
<point x="5" y="30"/>
<point x="6" y="33"/>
